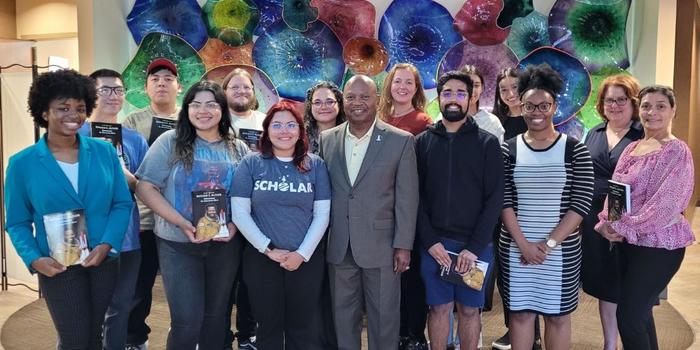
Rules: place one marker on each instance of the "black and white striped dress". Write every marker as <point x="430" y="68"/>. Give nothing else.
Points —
<point x="541" y="186"/>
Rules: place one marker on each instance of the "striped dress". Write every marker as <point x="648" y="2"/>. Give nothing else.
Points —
<point x="541" y="186"/>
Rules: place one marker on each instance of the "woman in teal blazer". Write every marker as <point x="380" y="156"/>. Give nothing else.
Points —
<point x="65" y="173"/>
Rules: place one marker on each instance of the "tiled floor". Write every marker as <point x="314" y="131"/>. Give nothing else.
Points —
<point x="683" y="290"/>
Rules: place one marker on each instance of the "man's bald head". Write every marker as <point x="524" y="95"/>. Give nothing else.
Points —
<point x="360" y="97"/>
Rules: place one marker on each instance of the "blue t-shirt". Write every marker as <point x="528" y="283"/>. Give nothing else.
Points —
<point x="212" y="168"/>
<point x="281" y="197"/>
<point x="134" y="149"/>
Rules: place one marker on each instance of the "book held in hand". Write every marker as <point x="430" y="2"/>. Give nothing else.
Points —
<point x="619" y="200"/>
<point x="66" y="234"/>
<point x="251" y="137"/>
<point x="112" y="133"/>
<point x="210" y="213"/>
<point x="159" y="126"/>
<point x="474" y="278"/>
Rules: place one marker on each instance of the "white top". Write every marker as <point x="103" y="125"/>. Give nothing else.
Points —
<point x="253" y="122"/>
<point x="355" y="149"/>
<point x="71" y="171"/>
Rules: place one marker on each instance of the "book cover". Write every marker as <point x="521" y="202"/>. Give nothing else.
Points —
<point x="250" y="137"/>
<point x="66" y="234"/>
<point x="619" y="200"/>
<point x="159" y="126"/>
<point x="111" y="133"/>
<point x="473" y="278"/>
<point x="210" y="213"/>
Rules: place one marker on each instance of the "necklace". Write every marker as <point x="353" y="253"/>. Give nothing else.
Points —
<point x="398" y="114"/>
<point x="619" y="131"/>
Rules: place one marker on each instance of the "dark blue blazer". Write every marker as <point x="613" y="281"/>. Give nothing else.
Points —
<point x="35" y="185"/>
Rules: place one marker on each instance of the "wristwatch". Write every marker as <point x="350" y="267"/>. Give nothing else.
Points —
<point x="551" y="243"/>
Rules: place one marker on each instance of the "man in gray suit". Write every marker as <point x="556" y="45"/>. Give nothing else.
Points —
<point x="372" y="167"/>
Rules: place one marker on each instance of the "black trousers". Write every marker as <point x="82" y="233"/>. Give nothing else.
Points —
<point x="77" y="300"/>
<point x="138" y="330"/>
<point x="245" y="322"/>
<point x="645" y="272"/>
<point x="414" y="310"/>
<point x="287" y="305"/>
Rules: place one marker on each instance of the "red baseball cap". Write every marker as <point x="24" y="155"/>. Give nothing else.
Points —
<point x="160" y="63"/>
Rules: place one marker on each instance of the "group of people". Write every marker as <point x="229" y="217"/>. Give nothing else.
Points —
<point x="351" y="207"/>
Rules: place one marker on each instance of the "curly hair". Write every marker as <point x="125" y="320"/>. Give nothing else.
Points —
<point x="302" y="145"/>
<point x="500" y="108"/>
<point x="386" y="101"/>
<point x="309" y="121"/>
<point x="186" y="133"/>
<point x="61" y="84"/>
<point x="540" y="77"/>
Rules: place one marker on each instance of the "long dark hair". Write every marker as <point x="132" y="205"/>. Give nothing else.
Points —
<point x="309" y="121"/>
<point x="472" y="70"/>
<point x="500" y="108"/>
<point x="186" y="133"/>
<point x="302" y="145"/>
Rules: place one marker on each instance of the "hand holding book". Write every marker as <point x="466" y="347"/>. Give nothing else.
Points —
<point x="48" y="266"/>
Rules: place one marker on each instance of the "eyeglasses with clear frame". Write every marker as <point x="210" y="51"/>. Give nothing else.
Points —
<point x="209" y="106"/>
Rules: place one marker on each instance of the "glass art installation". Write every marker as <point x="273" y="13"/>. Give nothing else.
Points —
<point x="592" y="30"/>
<point x="488" y="59"/>
<point x="378" y="79"/>
<point x="513" y="9"/>
<point x="347" y="18"/>
<point x="298" y="14"/>
<point x="216" y="53"/>
<point x="528" y="33"/>
<point x="588" y="114"/>
<point x="189" y="65"/>
<point x="181" y="18"/>
<point x="418" y="32"/>
<point x="573" y="128"/>
<point x="231" y="21"/>
<point x="577" y="82"/>
<point x="365" y="55"/>
<point x="265" y="90"/>
<point x="270" y="12"/>
<point x="476" y="21"/>
<point x="296" y="60"/>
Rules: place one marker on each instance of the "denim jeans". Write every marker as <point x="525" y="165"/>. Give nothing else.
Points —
<point x="143" y="293"/>
<point x="198" y="280"/>
<point x="77" y="300"/>
<point x="117" y="316"/>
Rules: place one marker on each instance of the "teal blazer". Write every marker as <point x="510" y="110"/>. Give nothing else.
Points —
<point x="35" y="185"/>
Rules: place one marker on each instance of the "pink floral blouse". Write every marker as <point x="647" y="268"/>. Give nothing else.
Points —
<point x="662" y="183"/>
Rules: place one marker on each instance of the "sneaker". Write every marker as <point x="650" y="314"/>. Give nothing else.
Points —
<point x="247" y="344"/>
<point x="537" y="345"/>
<point x="502" y="343"/>
<point x="143" y="346"/>
<point x="416" y="344"/>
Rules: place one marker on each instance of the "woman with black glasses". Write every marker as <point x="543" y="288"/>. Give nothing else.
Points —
<point x="548" y="190"/>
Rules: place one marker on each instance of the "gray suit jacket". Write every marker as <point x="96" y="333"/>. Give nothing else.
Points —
<point x="377" y="213"/>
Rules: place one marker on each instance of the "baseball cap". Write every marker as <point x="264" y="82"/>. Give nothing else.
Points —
<point x="160" y="63"/>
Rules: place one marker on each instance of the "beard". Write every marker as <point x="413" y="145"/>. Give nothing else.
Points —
<point x="242" y="107"/>
<point x="453" y="115"/>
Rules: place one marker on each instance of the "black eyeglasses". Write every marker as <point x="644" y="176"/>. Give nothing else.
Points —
<point x="620" y="101"/>
<point x="543" y="107"/>
<point x="108" y="90"/>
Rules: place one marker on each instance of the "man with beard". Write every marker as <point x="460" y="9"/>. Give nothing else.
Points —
<point x="240" y="95"/>
<point x="460" y="169"/>
<point x="247" y="123"/>
<point x="162" y="88"/>
<point x="372" y="166"/>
